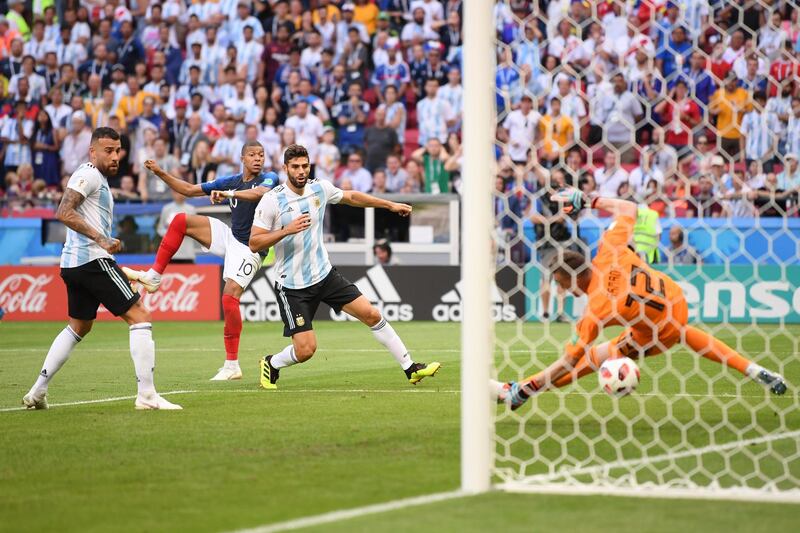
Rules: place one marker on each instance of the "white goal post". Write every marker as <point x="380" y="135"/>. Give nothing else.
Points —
<point x="694" y="428"/>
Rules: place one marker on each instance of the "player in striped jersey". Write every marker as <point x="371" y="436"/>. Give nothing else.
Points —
<point x="92" y="276"/>
<point x="290" y="218"/>
<point x="241" y="264"/>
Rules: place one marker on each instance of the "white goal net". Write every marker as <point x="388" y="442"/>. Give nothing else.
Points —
<point x="690" y="109"/>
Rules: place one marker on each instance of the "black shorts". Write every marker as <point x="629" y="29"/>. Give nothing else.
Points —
<point x="298" y="306"/>
<point x="97" y="282"/>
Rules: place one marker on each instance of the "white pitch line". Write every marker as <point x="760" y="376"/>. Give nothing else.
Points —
<point x="346" y="514"/>
<point x="358" y="391"/>
<point x="713" y="448"/>
<point x="99" y="400"/>
<point x="247" y="391"/>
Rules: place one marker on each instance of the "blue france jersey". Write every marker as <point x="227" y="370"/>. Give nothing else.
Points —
<point x="301" y="259"/>
<point x="241" y="212"/>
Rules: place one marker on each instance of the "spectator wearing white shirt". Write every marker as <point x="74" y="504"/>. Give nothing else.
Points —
<point x="434" y="115"/>
<point x="793" y="129"/>
<point x="328" y="156"/>
<point x="417" y="31"/>
<point x="610" y="176"/>
<point x="248" y="54"/>
<point x="645" y="179"/>
<point x="571" y="103"/>
<point x="359" y="177"/>
<point x="737" y="201"/>
<point x="36" y="84"/>
<point x="396" y="175"/>
<point x="244" y="19"/>
<point x="619" y="112"/>
<point x="760" y="131"/>
<point x="68" y="51"/>
<point x="772" y="36"/>
<point x="57" y="109"/>
<point x="75" y="148"/>
<point x="780" y="107"/>
<point x="453" y="94"/>
<point x="312" y="53"/>
<point x="434" y="11"/>
<point x="343" y="28"/>
<point x="213" y="55"/>
<point x="239" y="105"/>
<point x="37" y="46"/>
<point x="562" y="45"/>
<point x="307" y="127"/>
<point x="519" y="130"/>
<point x="15" y="133"/>
<point x="227" y="151"/>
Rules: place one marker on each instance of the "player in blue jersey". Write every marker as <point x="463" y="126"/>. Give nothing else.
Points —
<point x="290" y="218"/>
<point x="231" y="243"/>
<point x="92" y="277"/>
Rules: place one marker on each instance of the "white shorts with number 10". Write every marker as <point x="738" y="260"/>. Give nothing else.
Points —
<point x="241" y="264"/>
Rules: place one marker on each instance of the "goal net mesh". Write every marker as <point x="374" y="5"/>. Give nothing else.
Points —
<point x="651" y="101"/>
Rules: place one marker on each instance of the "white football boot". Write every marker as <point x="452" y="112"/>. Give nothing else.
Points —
<point x="153" y="400"/>
<point x="35" y="400"/>
<point x="227" y="373"/>
<point x="150" y="280"/>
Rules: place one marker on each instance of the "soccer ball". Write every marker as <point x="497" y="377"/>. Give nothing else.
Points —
<point x="618" y="377"/>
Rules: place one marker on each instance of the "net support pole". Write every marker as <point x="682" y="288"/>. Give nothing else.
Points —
<point x="477" y="260"/>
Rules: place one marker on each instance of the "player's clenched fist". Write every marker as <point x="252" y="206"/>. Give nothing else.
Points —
<point x="152" y="166"/>
<point x="301" y="223"/>
<point x="109" y="244"/>
<point x="570" y="199"/>
<point x="401" y="209"/>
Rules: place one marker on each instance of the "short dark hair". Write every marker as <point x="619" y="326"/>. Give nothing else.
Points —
<point x="251" y="144"/>
<point x="104" y="133"/>
<point x="568" y="262"/>
<point x="293" y="152"/>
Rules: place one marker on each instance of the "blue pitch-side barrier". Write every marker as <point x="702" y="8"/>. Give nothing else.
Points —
<point x="774" y="241"/>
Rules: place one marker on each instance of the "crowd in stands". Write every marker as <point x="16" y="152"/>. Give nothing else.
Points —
<point x="690" y="106"/>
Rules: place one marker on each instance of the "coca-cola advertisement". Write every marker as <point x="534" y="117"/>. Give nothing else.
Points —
<point x="187" y="292"/>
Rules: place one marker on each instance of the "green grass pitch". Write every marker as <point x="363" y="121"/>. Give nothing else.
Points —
<point x="344" y="430"/>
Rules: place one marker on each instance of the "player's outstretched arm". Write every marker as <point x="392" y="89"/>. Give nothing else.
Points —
<point x="587" y="332"/>
<point x="360" y="199"/>
<point x="247" y="195"/>
<point x="573" y="200"/>
<point x="262" y="240"/>
<point x="176" y="184"/>
<point x="67" y="214"/>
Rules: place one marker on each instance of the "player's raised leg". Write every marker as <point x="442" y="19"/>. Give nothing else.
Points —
<point x="715" y="350"/>
<point x="363" y="310"/>
<point x="143" y="353"/>
<point x="59" y="352"/>
<point x="197" y="227"/>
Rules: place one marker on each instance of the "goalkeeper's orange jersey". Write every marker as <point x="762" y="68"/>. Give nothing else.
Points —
<point x="625" y="291"/>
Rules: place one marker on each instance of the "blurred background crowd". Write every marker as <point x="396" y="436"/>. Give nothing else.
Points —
<point x="690" y="107"/>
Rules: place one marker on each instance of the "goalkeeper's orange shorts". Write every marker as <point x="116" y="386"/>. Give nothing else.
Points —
<point x="651" y="337"/>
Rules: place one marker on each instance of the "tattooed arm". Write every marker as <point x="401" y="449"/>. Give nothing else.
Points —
<point x="68" y="216"/>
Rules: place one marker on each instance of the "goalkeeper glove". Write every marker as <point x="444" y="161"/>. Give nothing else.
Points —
<point x="572" y="200"/>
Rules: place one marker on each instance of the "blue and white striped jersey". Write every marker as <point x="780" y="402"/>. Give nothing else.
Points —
<point x="301" y="259"/>
<point x="97" y="210"/>
<point x="760" y="131"/>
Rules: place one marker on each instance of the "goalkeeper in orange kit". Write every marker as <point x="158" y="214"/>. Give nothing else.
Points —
<point x="622" y="290"/>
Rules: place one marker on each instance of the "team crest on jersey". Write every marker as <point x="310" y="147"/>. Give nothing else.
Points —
<point x="317" y="202"/>
<point x="300" y="320"/>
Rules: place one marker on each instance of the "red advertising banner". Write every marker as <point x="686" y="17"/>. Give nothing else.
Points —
<point x="188" y="292"/>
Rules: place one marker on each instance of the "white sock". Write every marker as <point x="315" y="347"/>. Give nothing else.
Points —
<point x="56" y="357"/>
<point x="752" y="370"/>
<point x="386" y="335"/>
<point x="231" y="364"/>
<point x="143" y="353"/>
<point x="152" y="274"/>
<point x="284" y="358"/>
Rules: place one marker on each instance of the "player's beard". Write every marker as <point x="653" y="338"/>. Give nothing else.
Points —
<point x="298" y="182"/>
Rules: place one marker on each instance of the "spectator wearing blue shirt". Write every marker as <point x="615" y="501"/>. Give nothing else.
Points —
<point x="351" y="116"/>
<point x="129" y="50"/>
<point x="393" y="73"/>
<point x="701" y="84"/>
<point x="663" y="28"/>
<point x="676" y="54"/>
<point x="508" y="84"/>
